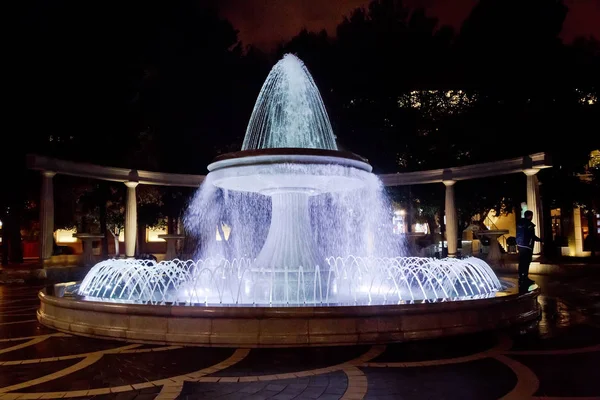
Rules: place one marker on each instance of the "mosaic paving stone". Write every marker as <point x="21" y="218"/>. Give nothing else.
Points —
<point x="327" y="386"/>
<point x="23" y="329"/>
<point x="568" y="324"/>
<point x="4" y="345"/>
<point x="281" y="361"/>
<point x="16" y="318"/>
<point x="569" y="337"/>
<point x="60" y="346"/>
<point x="482" y="379"/>
<point x="7" y="305"/>
<point x="426" y="350"/>
<point x="13" y="374"/>
<point x="143" y="394"/>
<point x="565" y="375"/>
<point x="126" y="369"/>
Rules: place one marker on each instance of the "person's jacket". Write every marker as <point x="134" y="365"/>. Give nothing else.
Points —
<point x="526" y="233"/>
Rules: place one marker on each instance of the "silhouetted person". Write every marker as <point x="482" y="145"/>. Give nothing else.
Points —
<point x="525" y="240"/>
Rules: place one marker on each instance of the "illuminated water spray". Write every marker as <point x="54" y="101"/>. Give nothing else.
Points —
<point x="289" y="111"/>
<point x="309" y="224"/>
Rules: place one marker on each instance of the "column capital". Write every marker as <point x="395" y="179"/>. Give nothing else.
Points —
<point x="48" y="174"/>
<point x="449" y="182"/>
<point x="131" y="184"/>
<point x="531" y="171"/>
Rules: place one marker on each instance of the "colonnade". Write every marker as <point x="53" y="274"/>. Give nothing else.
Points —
<point x="534" y="203"/>
<point x="529" y="165"/>
<point x="47" y="216"/>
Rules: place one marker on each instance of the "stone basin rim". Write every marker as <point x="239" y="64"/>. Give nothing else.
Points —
<point x="250" y="327"/>
<point x="253" y="312"/>
<point x="289" y="155"/>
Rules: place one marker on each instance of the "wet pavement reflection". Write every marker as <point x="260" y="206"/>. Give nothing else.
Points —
<point x="556" y="357"/>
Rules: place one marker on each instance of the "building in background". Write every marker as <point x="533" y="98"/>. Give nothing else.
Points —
<point x="576" y="230"/>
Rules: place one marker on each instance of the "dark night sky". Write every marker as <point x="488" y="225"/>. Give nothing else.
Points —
<point x="264" y="23"/>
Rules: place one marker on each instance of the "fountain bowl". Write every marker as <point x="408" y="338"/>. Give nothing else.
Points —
<point x="285" y="326"/>
<point x="278" y="170"/>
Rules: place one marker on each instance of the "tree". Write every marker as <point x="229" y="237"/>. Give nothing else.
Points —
<point x="174" y="203"/>
<point x="381" y="53"/>
<point x="504" y="45"/>
<point x="200" y="70"/>
<point x="501" y="195"/>
<point x="410" y="95"/>
<point x="167" y="82"/>
<point x="115" y="216"/>
<point x="99" y="207"/>
<point x="423" y="204"/>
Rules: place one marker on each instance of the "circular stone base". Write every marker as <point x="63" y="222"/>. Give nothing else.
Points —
<point x="285" y="326"/>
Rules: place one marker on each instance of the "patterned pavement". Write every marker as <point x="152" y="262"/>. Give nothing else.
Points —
<point x="559" y="358"/>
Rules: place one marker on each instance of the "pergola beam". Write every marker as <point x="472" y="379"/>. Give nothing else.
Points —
<point x="529" y="165"/>
<point x="85" y="170"/>
<point x="483" y="170"/>
<point x="474" y="171"/>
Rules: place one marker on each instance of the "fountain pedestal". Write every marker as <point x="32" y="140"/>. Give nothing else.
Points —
<point x="289" y="268"/>
<point x="290" y="255"/>
<point x="411" y="242"/>
<point x="494" y="254"/>
<point x="171" y="240"/>
<point x="88" y="239"/>
<point x="290" y="241"/>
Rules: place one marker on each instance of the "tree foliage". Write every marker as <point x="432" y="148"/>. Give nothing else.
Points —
<point x="167" y="86"/>
<point x="412" y="95"/>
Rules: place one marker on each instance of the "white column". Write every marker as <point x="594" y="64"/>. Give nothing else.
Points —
<point x="451" y="219"/>
<point x="130" y="219"/>
<point x="534" y="204"/>
<point x="577" y="232"/>
<point x="46" y="216"/>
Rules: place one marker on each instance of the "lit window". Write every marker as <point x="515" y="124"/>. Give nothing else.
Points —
<point x="152" y="234"/>
<point x="65" y="236"/>
<point x="422" y="228"/>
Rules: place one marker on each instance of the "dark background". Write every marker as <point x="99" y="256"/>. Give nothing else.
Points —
<point x="169" y="85"/>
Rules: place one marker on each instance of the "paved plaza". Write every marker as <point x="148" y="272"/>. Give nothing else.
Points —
<point x="559" y="358"/>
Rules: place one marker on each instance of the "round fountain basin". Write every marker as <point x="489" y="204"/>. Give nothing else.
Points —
<point x="247" y="326"/>
<point x="285" y="170"/>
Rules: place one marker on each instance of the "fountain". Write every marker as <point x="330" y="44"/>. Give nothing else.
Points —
<point x="310" y="241"/>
